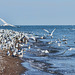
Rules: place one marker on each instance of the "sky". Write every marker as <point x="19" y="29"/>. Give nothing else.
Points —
<point x="38" y="12"/>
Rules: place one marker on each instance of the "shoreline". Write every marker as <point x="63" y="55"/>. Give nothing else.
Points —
<point x="11" y="43"/>
<point x="10" y="65"/>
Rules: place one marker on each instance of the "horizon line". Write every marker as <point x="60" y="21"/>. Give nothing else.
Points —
<point x="44" y="24"/>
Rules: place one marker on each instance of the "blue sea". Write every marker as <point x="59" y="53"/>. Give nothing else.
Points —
<point x="59" y="60"/>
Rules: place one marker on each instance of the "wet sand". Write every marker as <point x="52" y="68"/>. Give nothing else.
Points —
<point x="10" y="65"/>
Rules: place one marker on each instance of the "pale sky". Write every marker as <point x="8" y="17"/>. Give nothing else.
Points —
<point x="52" y="12"/>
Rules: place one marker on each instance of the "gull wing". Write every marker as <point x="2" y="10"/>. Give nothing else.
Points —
<point x="3" y="21"/>
<point x="46" y="30"/>
<point x="52" y="32"/>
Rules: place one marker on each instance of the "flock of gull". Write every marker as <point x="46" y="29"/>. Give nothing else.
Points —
<point x="12" y="42"/>
<point x="15" y="43"/>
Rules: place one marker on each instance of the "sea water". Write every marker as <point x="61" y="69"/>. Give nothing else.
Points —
<point x="59" y="60"/>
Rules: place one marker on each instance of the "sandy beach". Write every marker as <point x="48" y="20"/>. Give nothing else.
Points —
<point x="10" y="65"/>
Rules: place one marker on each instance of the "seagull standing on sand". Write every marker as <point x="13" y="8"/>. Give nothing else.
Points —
<point x="8" y="53"/>
<point x="20" y="53"/>
<point x="14" y="54"/>
<point x="25" y="41"/>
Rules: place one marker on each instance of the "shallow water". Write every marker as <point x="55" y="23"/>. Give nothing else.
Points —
<point x="59" y="60"/>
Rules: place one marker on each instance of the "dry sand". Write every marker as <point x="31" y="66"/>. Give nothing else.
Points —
<point x="10" y="65"/>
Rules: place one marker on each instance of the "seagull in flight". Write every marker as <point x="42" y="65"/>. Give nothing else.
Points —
<point x="50" y="34"/>
<point x="6" y="24"/>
